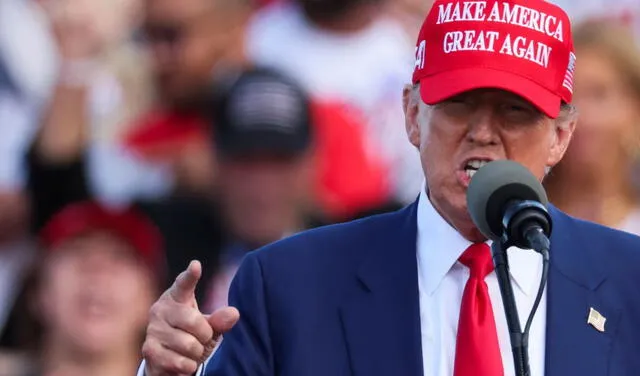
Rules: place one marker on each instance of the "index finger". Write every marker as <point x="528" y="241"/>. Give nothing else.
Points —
<point x="184" y="287"/>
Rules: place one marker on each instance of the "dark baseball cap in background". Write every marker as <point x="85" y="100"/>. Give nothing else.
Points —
<point x="262" y="112"/>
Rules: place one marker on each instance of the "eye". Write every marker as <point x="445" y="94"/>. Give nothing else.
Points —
<point x="458" y="103"/>
<point x="517" y="107"/>
<point x="520" y="113"/>
<point x="458" y="99"/>
<point x="457" y="106"/>
<point x="520" y="110"/>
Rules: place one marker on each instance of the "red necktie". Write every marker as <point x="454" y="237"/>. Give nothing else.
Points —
<point x="477" y="348"/>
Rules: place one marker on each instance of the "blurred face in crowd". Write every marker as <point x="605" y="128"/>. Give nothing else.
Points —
<point x="95" y="294"/>
<point x="609" y="129"/>
<point x="188" y="38"/>
<point x="456" y="136"/>
<point x="262" y="196"/>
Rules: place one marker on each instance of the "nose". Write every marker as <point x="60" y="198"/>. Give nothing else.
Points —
<point x="481" y="129"/>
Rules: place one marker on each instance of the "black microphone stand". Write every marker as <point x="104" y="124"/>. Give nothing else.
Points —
<point x="518" y="343"/>
<point x="519" y="339"/>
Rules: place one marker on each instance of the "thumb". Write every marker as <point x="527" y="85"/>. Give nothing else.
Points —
<point x="223" y="320"/>
<point x="184" y="287"/>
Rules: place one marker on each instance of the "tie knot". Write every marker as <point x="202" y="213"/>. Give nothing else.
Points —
<point x="478" y="259"/>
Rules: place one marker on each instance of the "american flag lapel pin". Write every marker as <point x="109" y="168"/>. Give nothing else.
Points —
<point x="596" y="320"/>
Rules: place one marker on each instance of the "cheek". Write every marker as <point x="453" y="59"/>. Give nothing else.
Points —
<point x="57" y="292"/>
<point x="628" y="120"/>
<point x="195" y="57"/>
<point x="233" y="183"/>
<point x="436" y="154"/>
<point x="207" y="46"/>
<point x="439" y="143"/>
<point x="140" y="296"/>
<point x="535" y="151"/>
<point x="132" y="294"/>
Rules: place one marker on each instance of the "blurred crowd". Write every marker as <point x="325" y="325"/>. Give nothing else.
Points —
<point x="137" y="135"/>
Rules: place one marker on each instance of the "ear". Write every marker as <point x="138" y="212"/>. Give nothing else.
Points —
<point x="564" y="128"/>
<point x="411" y="107"/>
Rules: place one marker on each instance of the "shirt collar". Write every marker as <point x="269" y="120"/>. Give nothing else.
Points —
<point x="439" y="247"/>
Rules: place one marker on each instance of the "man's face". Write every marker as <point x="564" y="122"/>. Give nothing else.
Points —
<point x="457" y="136"/>
<point x="187" y="38"/>
<point x="95" y="294"/>
<point x="262" y="196"/>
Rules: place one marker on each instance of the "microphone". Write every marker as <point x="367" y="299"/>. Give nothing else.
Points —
<point x="509" y="206"/>
<point x="507" y="203"/>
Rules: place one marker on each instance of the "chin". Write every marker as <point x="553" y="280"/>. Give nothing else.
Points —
<point x="97" y="331"/>
<point x="93" y="343"/>
<point x="453" y="207"/>
<point x="458" y="205"/>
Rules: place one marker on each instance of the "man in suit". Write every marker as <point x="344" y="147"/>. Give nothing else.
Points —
<point x="414" y="292"/>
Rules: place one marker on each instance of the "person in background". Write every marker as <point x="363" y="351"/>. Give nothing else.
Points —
<point x="167" y="152"/>
<point x="264" y="141"/>
<point x="595" y="180"/>
<point x="321" y="43"/>
<point x="198" y="49"/>
<point x="100" y="271"/>
<point x="20" y="91"/>
<point x="194" y="45"/>
<point x="100" y="85"/>
<point x="200" y="46"/>
<point x="16" y="249"/>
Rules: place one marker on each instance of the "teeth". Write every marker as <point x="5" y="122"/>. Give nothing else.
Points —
<point x="470" y="173"/>
<point x="476" y="163"/>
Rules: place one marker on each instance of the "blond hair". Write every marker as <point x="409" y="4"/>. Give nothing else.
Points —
<point x="614" y="41"/>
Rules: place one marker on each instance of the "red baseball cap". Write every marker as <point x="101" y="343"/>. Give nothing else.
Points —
<point x="522" y="46"/>
<point x="131" y="226"/>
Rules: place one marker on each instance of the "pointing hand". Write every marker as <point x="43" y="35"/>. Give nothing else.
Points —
<point x="179" y="337"/>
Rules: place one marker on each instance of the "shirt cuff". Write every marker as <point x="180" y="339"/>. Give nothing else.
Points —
<point x="141" y="369"/>
<point x="199" y="372"/>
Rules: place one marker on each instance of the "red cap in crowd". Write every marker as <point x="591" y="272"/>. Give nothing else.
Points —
<point x="523" y="46"/>
<point x="130" y="225"/>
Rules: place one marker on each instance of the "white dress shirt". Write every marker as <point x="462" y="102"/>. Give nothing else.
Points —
<point x="441" y="282"/>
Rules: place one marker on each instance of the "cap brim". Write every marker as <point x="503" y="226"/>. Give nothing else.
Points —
<point x="81" y="219"/>
<point x="441" y="86"/>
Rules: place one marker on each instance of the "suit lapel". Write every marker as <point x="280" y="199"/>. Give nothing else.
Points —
<point x="573" y="347"/>
<point x="382" y="321"/>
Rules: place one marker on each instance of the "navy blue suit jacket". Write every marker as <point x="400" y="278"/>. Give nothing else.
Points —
<point x="343" y="300"/>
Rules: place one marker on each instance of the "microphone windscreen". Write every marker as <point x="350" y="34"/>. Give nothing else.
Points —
<point x="493" y="186"/>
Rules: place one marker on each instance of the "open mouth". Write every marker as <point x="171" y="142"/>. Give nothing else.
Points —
<point x="473" y="165"/>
